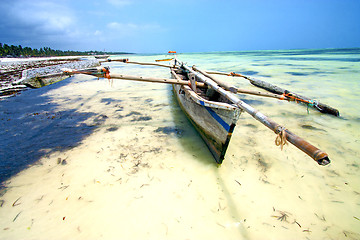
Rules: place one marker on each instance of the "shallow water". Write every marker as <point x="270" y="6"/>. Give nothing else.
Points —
<point x="104" y="160"/>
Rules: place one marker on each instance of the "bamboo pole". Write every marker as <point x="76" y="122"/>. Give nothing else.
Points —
<point x="238" y="90"/>
<point x="151" y="64"/>
<point x="126" y="60"/>
<point x="153" y="80"/>
<point x="262" y="94"/>
<point x="319" y="156"/>
<point x="223" y="84"/>
<point x="101" y="73"/>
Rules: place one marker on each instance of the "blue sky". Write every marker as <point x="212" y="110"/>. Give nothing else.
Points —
<point x="184" y="25"/>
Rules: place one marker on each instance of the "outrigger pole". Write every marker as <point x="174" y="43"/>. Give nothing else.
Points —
<point x="279" y="93"/>
<point x="319" y="156"/>
<point x="284" y="134"/>
<point x="321" y="107"/>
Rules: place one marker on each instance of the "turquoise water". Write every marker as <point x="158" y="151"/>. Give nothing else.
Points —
<point x="135" y="168"/>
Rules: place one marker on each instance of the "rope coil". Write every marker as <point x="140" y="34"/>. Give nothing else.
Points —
<point x="281" y="137"/>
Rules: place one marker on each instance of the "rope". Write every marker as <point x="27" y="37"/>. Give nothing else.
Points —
<point x="106" y="72"/>
<point x="281" y="137"/>
<point x="233" y="74"/>
<point x="309" y="103"/>
<point x="289" y="95"/>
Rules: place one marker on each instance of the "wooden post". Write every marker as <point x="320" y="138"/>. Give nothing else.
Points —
<point x="192" y="81"/>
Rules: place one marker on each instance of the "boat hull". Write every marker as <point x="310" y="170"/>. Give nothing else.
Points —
<point x="214" y="121"/>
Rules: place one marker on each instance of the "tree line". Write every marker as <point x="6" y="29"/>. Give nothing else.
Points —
<point x="19" y="51"/>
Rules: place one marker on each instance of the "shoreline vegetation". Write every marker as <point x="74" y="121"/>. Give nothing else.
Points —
<point x="12" y="51"/>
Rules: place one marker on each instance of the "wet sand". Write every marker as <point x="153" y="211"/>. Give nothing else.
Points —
<point x="115" y="163"/>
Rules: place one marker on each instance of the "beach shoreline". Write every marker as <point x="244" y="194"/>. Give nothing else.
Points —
<point x="105" y="159"/>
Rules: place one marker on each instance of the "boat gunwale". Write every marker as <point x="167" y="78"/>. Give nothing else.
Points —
<point x="207" y="103"/>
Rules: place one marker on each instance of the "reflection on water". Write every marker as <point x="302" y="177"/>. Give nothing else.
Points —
<point x="121" y="160"/>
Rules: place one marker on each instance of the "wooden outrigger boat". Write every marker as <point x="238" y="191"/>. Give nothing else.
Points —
<point x="214" y="111"/>
<point x="212" y="106"/>
<point x="212" y="115"/>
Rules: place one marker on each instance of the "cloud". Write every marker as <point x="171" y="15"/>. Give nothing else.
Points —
<point x="68" y="25"/>
<point x="130" y="29"/>
<point x="98" y="33"/>
<point x="45" y="15"/>
<point x="119" y="3"/>
<point x="33" y="21"/>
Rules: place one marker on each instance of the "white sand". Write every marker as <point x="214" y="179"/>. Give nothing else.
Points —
<point x="133" y="182"/>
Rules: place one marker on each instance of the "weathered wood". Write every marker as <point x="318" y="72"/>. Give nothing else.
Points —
<point x="233" y="89"/>
<point x="291" y="95"/>
<point x="41" y="81"/>
<point x="151" y="64"/>
<point x="321" y="107"/>
<point x="262" y="94"/>
<point x="192" y="81"/>
<point x="214" y="119"/>
<point x="319" y="156"/>
<point x="153" y="80"/>
<point x="126" y="60"/>
<point x="98" y="72"/>
<point x="164" y="60"/>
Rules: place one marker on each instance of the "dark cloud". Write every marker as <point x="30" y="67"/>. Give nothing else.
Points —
<point x="36" y="23"/>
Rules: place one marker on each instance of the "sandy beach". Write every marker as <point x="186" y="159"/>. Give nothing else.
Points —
<point x="106" y="161"/>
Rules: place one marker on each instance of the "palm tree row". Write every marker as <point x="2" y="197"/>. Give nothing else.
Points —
<point x="19" y="51"/>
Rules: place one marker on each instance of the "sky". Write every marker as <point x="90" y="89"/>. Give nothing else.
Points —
<point x="157" y="26"/>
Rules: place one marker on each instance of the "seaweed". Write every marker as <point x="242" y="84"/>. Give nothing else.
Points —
<point x="306" y="126"/>
<point x="108" y="101"/>
<point x="250" y="73"/>
<point x="112" y="129"/>
<point x="170" y="130"/>
<point x="143" y="118"/>
<point x="298" y="73"/>
<point x="133" y="113"/>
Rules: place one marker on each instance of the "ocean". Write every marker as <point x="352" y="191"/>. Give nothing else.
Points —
<point x="90" y="158"/>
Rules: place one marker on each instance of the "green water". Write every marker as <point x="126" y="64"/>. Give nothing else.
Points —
<point x="331" y="76"/>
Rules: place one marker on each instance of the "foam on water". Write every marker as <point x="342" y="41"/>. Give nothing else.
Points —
<point x="121" y="161"/>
